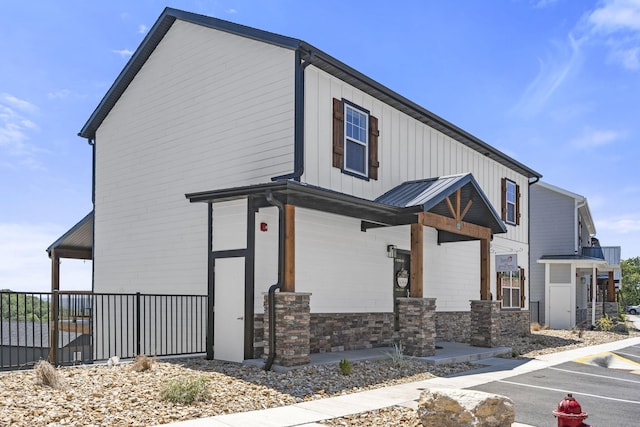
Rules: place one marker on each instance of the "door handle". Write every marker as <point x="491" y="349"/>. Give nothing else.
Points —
<point x="240" y="318"/>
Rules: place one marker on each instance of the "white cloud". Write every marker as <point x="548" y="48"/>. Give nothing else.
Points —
<point x="593" y="138"/>
<point x="15" y="129"/>
<point x="59" y="94"/>
<point x="142" y="29"/>
<point x="616" y="24"/>
<point x="616" y="15"/>
<point x="540" y="4"/>
<point x="552" y="74"/>
<point x="232" y="11"/>
<point x="24" y="264"/>
<point x="125" y="53"/>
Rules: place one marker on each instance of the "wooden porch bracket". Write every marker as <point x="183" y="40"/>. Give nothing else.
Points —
<point x="288" y="281"/>
<point x="417" y="250"/>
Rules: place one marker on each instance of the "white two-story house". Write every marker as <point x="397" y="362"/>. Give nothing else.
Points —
<point x="233" y="162"/>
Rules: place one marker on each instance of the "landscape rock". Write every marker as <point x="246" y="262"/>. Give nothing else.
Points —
<point x="464" y="408"/>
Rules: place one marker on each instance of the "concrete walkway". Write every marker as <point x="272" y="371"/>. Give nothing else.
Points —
<point x="310" y="413"/>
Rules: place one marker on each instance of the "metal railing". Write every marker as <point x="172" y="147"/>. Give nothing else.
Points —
<point x="84" y="327"/>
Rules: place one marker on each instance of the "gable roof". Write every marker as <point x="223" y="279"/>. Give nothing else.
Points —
<point x="311" y="55"/>
<point x="431" y="194"/>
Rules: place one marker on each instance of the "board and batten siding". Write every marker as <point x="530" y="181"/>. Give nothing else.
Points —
<point x="208" y="110"/>
<point x="407" y="150"/>
<point x="553" y="232"/>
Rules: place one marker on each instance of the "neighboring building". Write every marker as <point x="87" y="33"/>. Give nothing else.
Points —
<point x="568" y="263"/>
<point x="378" y="220"/>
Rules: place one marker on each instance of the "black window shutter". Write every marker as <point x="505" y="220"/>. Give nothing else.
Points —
<point x="374" y="164"/>
<point x="499" y="287"/>
<point x="503" y="199"/>
<point x="338" y="133"/>
<point x="522" y="278"/>
<point x="517" y="205"/>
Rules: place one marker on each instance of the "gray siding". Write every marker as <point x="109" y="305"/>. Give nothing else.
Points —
<point x="553" y="232"/>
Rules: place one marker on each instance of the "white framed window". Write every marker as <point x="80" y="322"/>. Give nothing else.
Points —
<point x="510" y="285"/>
<point x="511" y="201"/>
<point x="356" y="140"/>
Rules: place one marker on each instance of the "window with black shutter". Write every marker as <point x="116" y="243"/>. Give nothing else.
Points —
<point x="355" y="140"/>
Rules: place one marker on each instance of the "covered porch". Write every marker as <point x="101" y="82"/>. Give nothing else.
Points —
<point x="455" y="207"/>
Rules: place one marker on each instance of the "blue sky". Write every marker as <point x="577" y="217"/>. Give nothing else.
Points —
<point x="553" y="83"/>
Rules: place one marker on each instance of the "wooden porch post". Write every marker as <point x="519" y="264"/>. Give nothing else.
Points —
<point x="288" y="282"/>
<point x="53" y="314"/>
<point x="611" y="288"/>
<point x="485" y="268"/>
<point x="417" y="249"/>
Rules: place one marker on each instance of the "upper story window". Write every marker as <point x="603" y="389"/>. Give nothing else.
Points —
<point x="355" y="140"/>
<point x="510" y="202"/>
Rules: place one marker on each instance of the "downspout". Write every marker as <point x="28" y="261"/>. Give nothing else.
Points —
<point x="536" y="179"/>
<point x="272" y="289"/>
<point x="92" y="143"/>
<point x="302" y="61"/>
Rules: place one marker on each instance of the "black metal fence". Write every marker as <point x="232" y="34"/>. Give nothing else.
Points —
<point x="84" y="327"/>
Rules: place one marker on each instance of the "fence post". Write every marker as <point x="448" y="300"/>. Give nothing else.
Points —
<point x="53" y="328"/>
<point x="138" y="324"/>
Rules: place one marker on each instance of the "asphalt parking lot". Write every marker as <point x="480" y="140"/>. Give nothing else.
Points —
<point x="609" y="395"/>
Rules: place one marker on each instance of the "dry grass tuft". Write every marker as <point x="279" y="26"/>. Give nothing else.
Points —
<point x="142" y="363"/>
<point x="535" y="327"/>
<point x="46" y="374"/>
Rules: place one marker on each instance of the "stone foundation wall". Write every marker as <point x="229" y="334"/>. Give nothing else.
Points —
<point x="259" y="335"/>
<point x="350" y="331"/>
<point x="453" y="326"/>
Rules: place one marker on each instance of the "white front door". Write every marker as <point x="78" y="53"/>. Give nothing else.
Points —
<point x="560" y="307"/>
<point x="228" y="339"/>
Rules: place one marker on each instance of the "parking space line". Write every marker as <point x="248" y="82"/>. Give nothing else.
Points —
<point x="565" y="390"/>
<point x="594" y="375"/>
<point x="635" y="356"/>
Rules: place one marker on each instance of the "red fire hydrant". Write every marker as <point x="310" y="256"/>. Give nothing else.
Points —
<point x="569" y="413"/>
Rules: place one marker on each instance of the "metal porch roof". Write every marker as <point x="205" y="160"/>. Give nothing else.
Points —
<point x="78" y="238"/>
<point x="430" y="194"/>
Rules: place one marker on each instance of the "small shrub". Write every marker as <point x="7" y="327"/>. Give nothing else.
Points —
<point x="621" y="328"/>
<point x="345" y="366"/>
<point x="396" y="355"/>
<point x="604" y="323"/>
<point x="186" y="390"/>
<point x="46" y="374"/>
<point x="142" y="363"/>
<point x="515" y="353"/>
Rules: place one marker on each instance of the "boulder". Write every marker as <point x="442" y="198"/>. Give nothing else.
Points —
<point x="464" y="408"/>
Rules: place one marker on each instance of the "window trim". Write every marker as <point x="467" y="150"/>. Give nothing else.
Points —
<point x="517" y="305"/>
<point x="347" y="139"/>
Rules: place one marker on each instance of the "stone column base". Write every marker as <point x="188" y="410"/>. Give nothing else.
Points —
<point x="417" y="326"/>
<point x="485" y="323"/>
<point x="292" y="317"/>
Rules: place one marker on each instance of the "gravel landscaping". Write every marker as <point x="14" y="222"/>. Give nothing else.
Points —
<point x="100" y="395"/>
